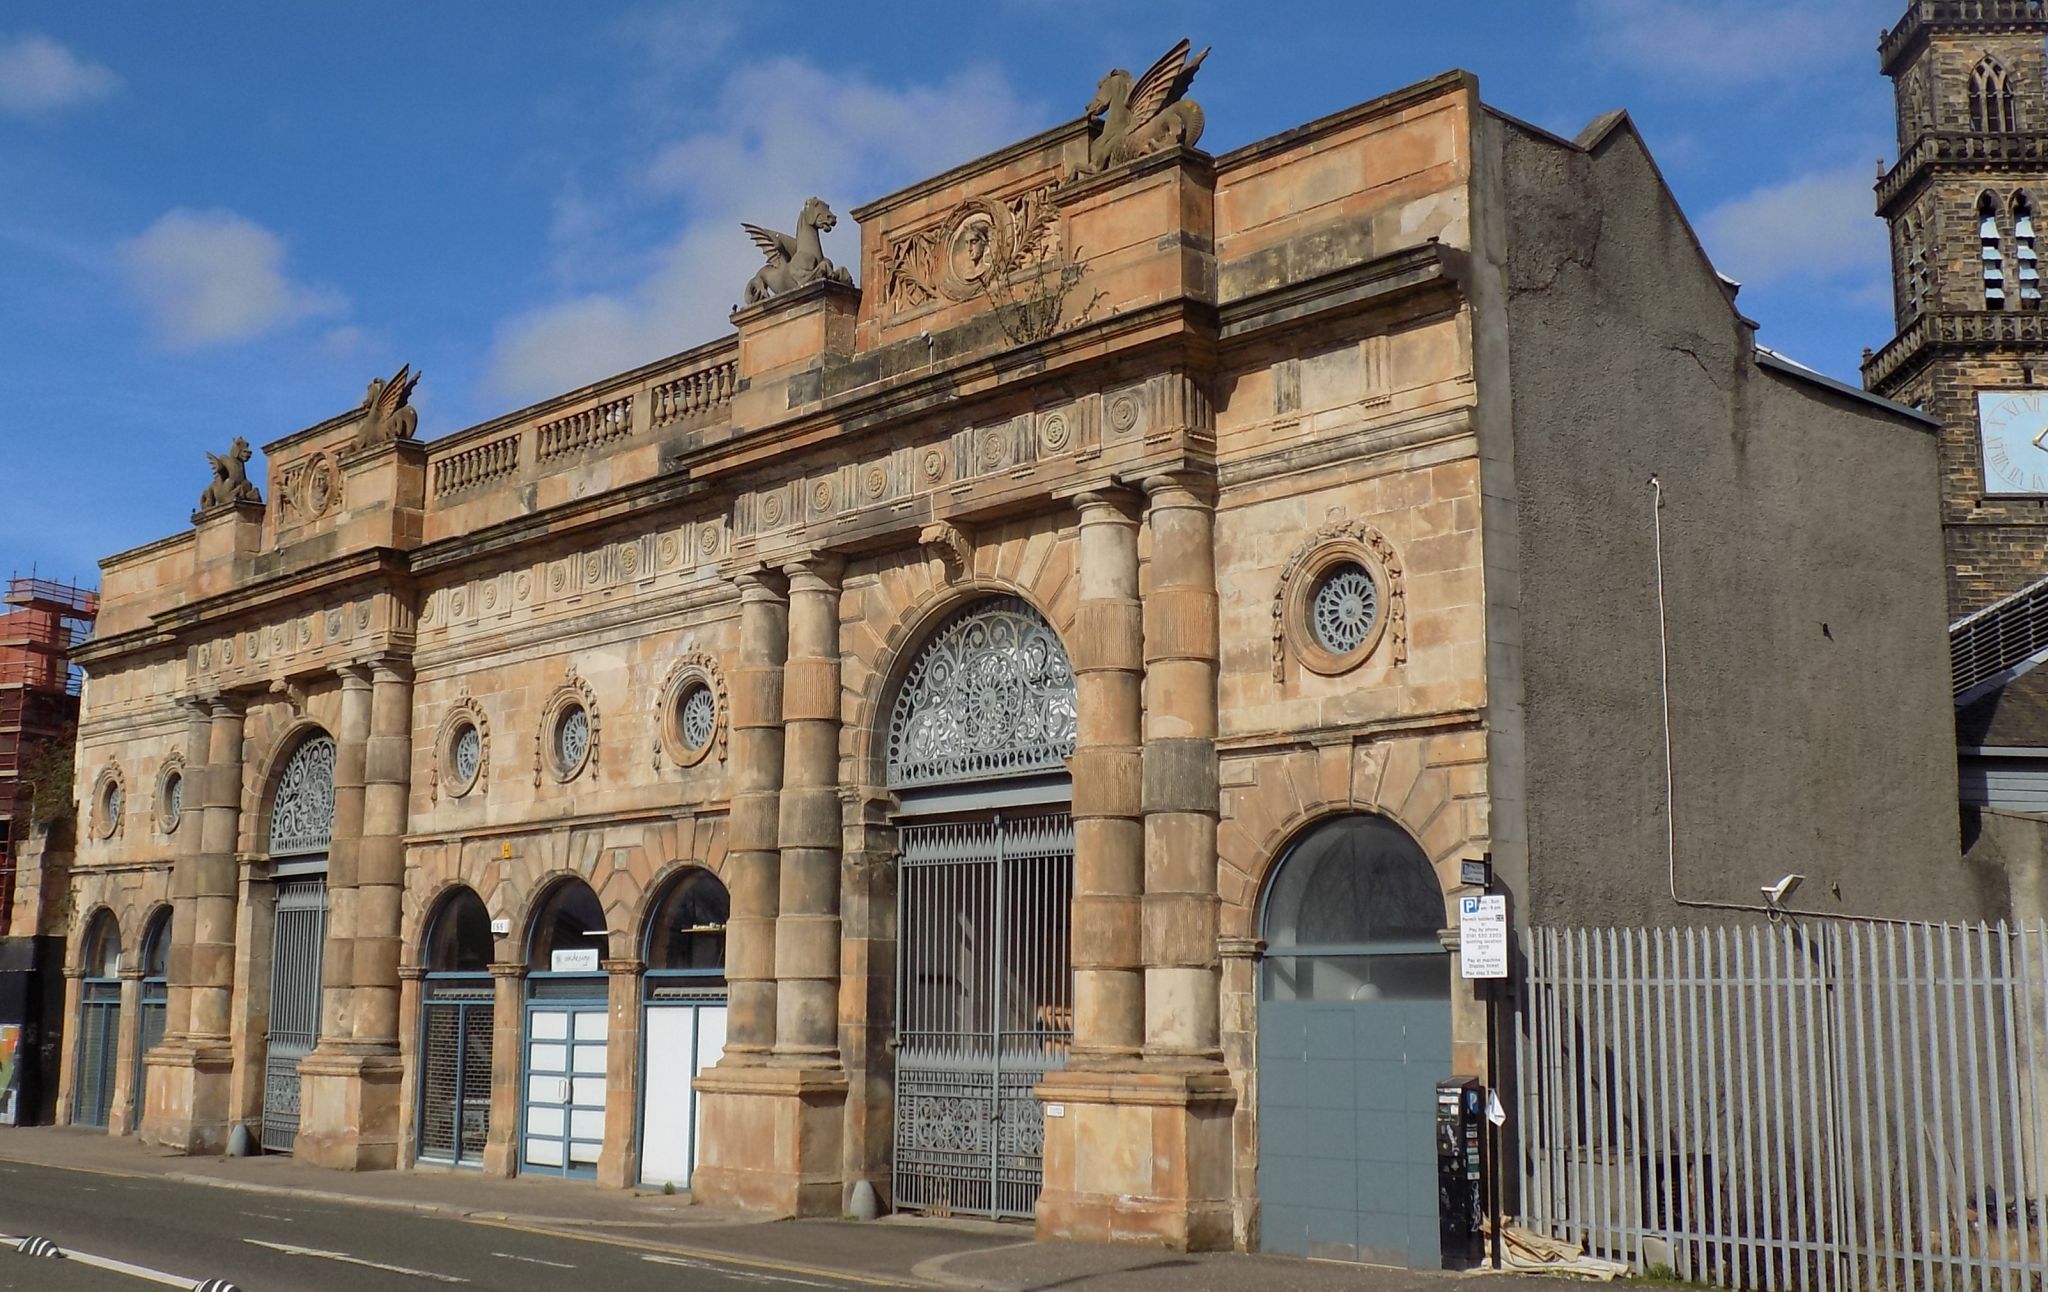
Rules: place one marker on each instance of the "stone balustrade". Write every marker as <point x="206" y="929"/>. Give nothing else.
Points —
<point x="694" y="394"/>
<point x="585" y="428"/>
<point x="477" y="465"/>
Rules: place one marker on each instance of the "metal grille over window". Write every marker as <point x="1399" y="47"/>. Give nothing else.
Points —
<point x="302" y="811"/>
<point x="294" y="1000"/>
<point x="1343" y="608"/>
<point x="985" y="1009"/>
<point x="1991" y="254"/>
<point x="572" y="738"/>
<point x="992" y="694"/>
<point x="699" y="714"/>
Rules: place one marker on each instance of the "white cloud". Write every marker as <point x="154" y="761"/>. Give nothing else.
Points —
<point x="211" y="277"/>
<point x="781" y="131"/>
<point x="1815" y="226"/>
<point x="1731" y="43"/>
<point x="39" y="75"/>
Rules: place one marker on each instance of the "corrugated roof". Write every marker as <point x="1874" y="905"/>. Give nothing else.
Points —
<point x="2005" y="639"/>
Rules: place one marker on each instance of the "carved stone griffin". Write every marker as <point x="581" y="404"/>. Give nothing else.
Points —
<point x="230" y="478"/>
<point x="1146" y="115"/>
<point x="388" y="414"/>
<point x="794" y="262"/>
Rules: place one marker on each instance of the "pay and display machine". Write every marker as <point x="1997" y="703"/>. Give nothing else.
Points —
<point x="1460" y="1186"/>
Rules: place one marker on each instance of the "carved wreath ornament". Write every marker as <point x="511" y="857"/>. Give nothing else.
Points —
<point x="1340" y="595"/>
<point x="462" y="750"/>
<point x="693" y="712"/>
<point x="565" y="743"/>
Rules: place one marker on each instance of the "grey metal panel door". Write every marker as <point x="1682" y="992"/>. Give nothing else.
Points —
<point x="984" y="1009"/>
<point x="1347" y="1102"/>
<point x="295" y="951"/>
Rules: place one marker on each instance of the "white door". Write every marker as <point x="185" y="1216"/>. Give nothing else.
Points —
<point x="565" y="1088"/>
<point x="682" y="1041"/>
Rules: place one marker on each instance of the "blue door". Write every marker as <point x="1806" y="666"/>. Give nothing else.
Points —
<point x="1354" y="1032"/>
<point x="567" y="1045"/>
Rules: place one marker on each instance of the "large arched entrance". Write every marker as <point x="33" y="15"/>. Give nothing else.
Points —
<point x="979" y="732"/>
<point x="568" y="1030"/>
<point x="99" y="1023"/>
<point x="301" y="828"/>
<point x="1354" y="1032"/>
<point x="682" y="1025"/>
<point x="456" y="1014"/>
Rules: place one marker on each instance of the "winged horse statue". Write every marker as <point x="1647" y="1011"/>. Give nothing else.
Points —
<point x="231" y="481"/>
<point x="388" y="416"/>
<point x="1145" y="115"/>
<point x="794" y="262"/>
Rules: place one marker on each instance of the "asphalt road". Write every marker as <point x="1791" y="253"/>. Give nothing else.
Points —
<point x="265" y="1243"/>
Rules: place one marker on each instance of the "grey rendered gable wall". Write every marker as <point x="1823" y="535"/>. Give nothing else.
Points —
<point x="1803" y="575"/>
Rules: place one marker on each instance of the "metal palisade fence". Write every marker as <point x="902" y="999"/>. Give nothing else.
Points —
<point x="1813" y="1105"/>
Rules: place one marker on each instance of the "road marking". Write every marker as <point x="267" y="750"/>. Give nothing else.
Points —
<point x="534" y="1260"/>
<point x="751" y="1276"/>
<point x="123" y="1267"/>
<point x="264" y="1215"/>
<point x="346" y="1259"/>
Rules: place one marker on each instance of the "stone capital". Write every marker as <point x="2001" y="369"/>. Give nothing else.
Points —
<point x="1107" y="503"/>
<point x="411" y="973"/>
<point x="1185" y="487"/>
<point x="818" y="571"/>
<point x="500" y="969"/>
<point x="390" y="668"/>
<point x="759" y="583"/>
<point x="355" y="675"/>
<point x="627" y="966"/>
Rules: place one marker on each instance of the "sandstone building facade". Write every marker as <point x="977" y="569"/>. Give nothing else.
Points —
<point x="987" y="732"/>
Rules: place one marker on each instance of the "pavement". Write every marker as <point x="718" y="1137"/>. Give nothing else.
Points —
<point x="898" y="1251"/>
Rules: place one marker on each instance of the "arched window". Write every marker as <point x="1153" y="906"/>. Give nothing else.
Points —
<point x="686" y="936"/>
<point x="302" y="808"/>
<point x="99" y="1022"/>
<point x="1991" y="252"/>
<point x="2024" y="262"/>
<point x="990" y="695"/>
<point x="1353" y="914"/>
<point x="571" y="921"/>
<point x="156" y="996"/>
<point x="1991" y="105"/>
<point x="102" y="956"/>
<point x="456" y="1016"/>
<point x="459" y="940"/>
<point x="156" y="947"/>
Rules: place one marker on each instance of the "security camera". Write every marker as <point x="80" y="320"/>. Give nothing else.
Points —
<point x="1776" y="893"/>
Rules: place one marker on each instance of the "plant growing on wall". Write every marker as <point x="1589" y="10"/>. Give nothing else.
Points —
<point x="48" y="776"/>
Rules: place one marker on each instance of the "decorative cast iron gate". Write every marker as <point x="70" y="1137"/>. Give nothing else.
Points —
<point x="294" y="1004"/>
<point x="984" y="1008"/>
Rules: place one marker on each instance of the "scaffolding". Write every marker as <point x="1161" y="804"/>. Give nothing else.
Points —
<point x="43" y="621"/>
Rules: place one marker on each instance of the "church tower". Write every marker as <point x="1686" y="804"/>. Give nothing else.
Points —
<point x="1965" y="205"/>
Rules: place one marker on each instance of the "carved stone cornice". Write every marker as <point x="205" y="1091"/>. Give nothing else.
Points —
<point x="1968" y="330"/>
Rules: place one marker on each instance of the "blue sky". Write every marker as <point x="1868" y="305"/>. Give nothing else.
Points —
<point x="223" y="219"/>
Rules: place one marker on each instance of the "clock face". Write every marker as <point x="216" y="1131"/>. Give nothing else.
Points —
<point x="2014" y="426"/>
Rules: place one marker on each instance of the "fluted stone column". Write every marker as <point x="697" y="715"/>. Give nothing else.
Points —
<point x="1181" y="648"/>
<point x="807" y="926"/>
<point x="191" y="1093"/>
<point x="1109" y="838"/>
<point x="753" y="858"/>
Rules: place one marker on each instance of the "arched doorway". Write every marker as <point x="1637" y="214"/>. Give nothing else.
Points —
<point x="99" y="1022"/>
<point x="980" y="729"/>
<point x="455" y="1033"/>
<point x="154" y="1001"/>
<point x="567" y="1027"/>
<point x="1354" y="1032"/>
<point x="682" y="1026"/>
<point x="301" y="828"/>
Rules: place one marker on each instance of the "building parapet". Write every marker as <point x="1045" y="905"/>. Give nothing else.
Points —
<point x="1967" y="15"/>
<point x="1983" y="329"/>
<point x="1959" y="148"/>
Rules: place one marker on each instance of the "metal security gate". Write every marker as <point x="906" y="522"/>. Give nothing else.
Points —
<point x="294" y="1004"/>
<point x="99" y="1041"/>
<point x="984" y="1009"/>
<point x="455" y="1070"/>
<point x="156" y="1009"/>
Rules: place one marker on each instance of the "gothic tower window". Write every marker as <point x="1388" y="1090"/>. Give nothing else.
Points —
<point x="1991" y="252"/>
<point x="1990" y="97"/>
<point x="2024" y="262"/>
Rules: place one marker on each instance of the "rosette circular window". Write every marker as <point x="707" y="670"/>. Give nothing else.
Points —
<point x="692" y="712"/>
<point x="569" y="740"/>
<point x="1339" y="599"/>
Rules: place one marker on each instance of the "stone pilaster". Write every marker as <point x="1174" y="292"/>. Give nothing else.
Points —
<point x="190" y="1082"/>
<point x="753" y="844"/>
<point x="411" y="982"/>
<point x="508" y="1005"/>
<point x="618" y="1162"/>
<point x="349" y="1111"/>
<point x="810" y="830"/>
<point x="126" y="1112"/>
<point x="67" y="1058"/>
